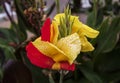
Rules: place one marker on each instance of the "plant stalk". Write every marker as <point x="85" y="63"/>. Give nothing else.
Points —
<point x="61" y="77"/>
<point x="95" y="11"/>
<point x="57" y="6"/>
<point x="51" y="80"/>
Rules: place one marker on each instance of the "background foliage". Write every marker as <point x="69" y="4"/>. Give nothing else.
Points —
<point x="100" y="66"/>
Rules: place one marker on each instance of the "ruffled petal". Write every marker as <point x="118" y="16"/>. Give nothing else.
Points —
<point x="89" y="32"/>
<point x="77" y="25"/>
<point x="50" y="50"/>
<point x="85" y="44"/>
<point x="71" y="46"/>
<point x="42" y="61"/>
<point x="37" y="58"/>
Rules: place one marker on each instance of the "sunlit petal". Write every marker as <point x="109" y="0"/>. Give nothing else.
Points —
<point x="71" y="46"/>
<point x="50" y="50"/>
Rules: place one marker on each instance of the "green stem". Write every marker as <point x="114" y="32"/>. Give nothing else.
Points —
<point x="57" y="6"/>
<point x="61" y="77"/>
<point x="1" y="72"/>
<point x="95" y="11"/>
<point x="51" y="78"/>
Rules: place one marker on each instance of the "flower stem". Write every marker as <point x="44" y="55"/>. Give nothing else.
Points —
<point x="95" y="11"/>
<point x="51" y="78"/>
<point x="61" y="77"/>
<point x="57" y="6"/>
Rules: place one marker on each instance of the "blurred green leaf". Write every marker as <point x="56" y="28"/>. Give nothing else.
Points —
<point x="8" y="35"/>
<point x="88" y="72"/>
<point x="21" y="27"/>
<point x="95" y="20"/>
<point x="2" y="58"/>
<point x="100" y="16"/>
<point x="108" y="2"/>
<point x="72" y="81"/>
<point x="104" y="27"/>
<point x="90" y="19"/>
<point x="8" y="52"/>
<point x="1" y="74"/>
<point x="108" y="37"/>
<point x="107" y="65"/>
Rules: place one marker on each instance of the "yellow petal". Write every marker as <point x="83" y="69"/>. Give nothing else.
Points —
<point x="71" y="46"/>
<point x="50" y="50"/>
<point x="58" y="16"/>
<point x="89" y="32"/>
<point x="56" y="66"/>
<point x="54" y="32"/>
<point x="85" y="44"/>
<point x="77" y="25"/>
<point x="83" y="29"/>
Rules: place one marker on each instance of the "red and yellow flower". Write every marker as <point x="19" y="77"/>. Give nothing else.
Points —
<point x="54" y="52"/>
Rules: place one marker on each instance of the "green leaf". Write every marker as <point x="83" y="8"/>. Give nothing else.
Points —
<point x="99" y="18"/>
<point x="107" y="39"/>
<point x="8" y="35"/>
<point x="90" y="74"/>
<point x="1" y="73"/>
<point x="95" y="19"/>
<point x="72" y="81"/>
<point x="107" y="65"/>
<point x="104" y="27"/>
<point x="91" y="19"/>
<point x="22" y="23"/>
<point x="8" y="51"/>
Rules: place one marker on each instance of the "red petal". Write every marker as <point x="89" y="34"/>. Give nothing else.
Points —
<point x="37" y="58"/>
<point x="67" y="66"/>
<point x="45" y="31"/>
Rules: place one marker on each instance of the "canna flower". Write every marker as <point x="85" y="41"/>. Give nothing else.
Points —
<point x="47" y="52"/>
<point x="58" y="48"/>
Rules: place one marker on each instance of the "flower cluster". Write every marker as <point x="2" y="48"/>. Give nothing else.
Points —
<point x="60" y="43"/>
